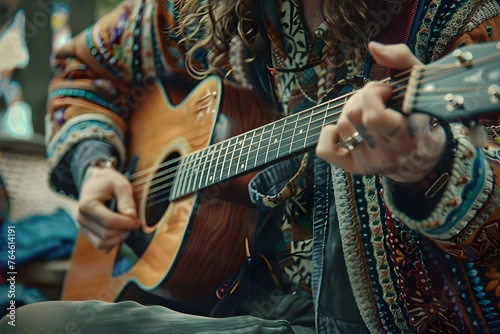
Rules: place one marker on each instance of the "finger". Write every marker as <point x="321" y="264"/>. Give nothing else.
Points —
<point x="377" y="124"/>
<point x="102" y="215"/>
<point x="89" y="223"/>
<point x="397" y="56"/>
<point x="368" y="112"/>
<point x="103" y="245"/>
<point x="124" y="198"/>
<point x="329" y="150"/>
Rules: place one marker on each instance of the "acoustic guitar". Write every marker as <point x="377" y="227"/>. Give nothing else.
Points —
<point x="187" y="150"/>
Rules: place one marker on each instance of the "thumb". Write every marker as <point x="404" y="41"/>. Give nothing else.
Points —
<point x="125" y="201"/>
<point x="396" y="56"/>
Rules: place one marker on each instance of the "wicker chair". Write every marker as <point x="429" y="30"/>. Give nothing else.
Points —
<point x="23" y="169"/>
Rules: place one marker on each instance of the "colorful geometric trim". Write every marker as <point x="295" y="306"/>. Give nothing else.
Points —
<point x="86" y="95"/>
<point x="101" y="59"/>
<point x="83" y="127"/>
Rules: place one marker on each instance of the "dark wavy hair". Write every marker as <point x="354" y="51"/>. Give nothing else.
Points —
<point x="219" y="20"/>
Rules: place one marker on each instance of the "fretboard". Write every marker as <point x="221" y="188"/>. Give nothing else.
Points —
<point x="251" y="150"/>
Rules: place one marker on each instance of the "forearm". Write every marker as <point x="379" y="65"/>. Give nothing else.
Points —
<point x="466" y="205"/>
<point x="102" y="77"/>
<point x="463" y="217"/>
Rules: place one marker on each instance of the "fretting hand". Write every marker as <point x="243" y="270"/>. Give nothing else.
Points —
<point x="370" y="138"/>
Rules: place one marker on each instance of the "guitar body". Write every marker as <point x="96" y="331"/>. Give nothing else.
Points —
<point x="191" y="245"/>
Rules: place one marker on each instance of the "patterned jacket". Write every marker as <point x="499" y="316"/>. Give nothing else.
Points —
<point x="380" y="264"/>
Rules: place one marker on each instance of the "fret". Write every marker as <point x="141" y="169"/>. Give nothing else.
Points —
<point x="223" y="149"/>
<point x="182" y="176"/>
<point x="187" y="175"/>
<point x="209" y="179"/>
<point x="273" y="141"/>
<point x="235" y="156"/>
<point x="316" y="123"/>
<point x="307" y="128"/>
<point x="232" y="148"/>
<point x="259" y="144"/>
<point x="226" y="168"/>
<point x="195" y="172"/>
<point x="203" y="168"/>
<point x="245" y="143"/>
<point x="178" y="179"/>
<point x="286" y="137"/>
<point x="214" y="168"/>
<point x="265" y="141"/>
<point x="253" y="148"/>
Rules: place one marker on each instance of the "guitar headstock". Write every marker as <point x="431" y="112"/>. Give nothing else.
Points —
<point x="463" y="86"/>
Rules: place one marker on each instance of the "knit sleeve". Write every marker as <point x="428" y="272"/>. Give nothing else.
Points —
<point x="102" y="75"/>
<point x="465" y="218"/>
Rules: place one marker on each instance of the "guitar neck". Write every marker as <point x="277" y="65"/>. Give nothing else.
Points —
<point x="258" y="148"/>
<point x="461" y="87"/>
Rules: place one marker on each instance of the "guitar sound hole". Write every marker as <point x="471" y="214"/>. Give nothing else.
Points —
<point x="159" y="191"/>
<point x="132" y="249"/>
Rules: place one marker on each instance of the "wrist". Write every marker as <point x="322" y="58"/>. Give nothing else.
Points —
<point x="110" y="162"/>
<point x="433" y="182"/>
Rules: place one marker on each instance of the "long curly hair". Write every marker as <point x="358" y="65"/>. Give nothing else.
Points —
<point x="218" y="21"/>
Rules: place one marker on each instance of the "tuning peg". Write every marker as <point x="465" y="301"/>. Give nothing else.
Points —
<point x="494" y="93"/>
<point x="455" y="102"/>
<point x="465" y="58"/>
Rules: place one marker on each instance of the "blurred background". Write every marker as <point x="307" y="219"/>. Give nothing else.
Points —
<point x="45" y="229"/>
<point x="34" y="75"/>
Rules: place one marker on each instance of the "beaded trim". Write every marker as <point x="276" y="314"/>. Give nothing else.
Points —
<point x="147" y="57"/>
<point x="236" y="60"/>
<point x="83" y="94"/>
<point x="421" y="45"/>
<point x="486" y="10"/>
<point x="460" y="182"/>
<point x="361" y="290"/>
<point x="453" y="27"/>
<point x="493" y="204"/>
<point x="128" y="44"/>
<point x="95" y="52"/>
<point x="479" y="187"/>
<point x="93" y="126"/>
<point x="371" y="213"/>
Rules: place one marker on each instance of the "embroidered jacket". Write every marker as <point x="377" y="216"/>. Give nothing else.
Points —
<point x="437" y="273"/>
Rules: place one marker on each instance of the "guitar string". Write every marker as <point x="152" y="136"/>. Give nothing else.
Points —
<point x="160" y="180"/>
<point x="157" y="191"/>
<point x="174" y="162"/>
<point x="424" y="69"/>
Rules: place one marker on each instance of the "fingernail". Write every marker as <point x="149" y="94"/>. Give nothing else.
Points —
<point x="129" y="211"/>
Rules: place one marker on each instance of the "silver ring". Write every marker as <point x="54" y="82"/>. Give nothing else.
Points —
<point x="352" y="141"/>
